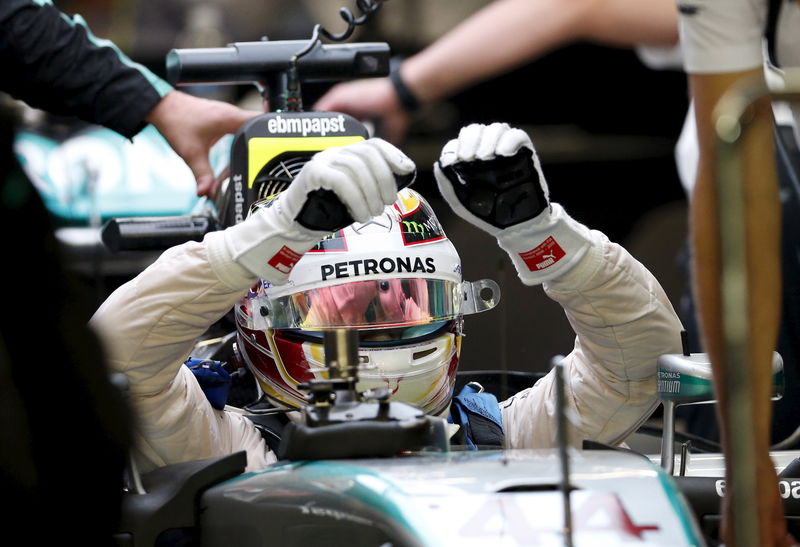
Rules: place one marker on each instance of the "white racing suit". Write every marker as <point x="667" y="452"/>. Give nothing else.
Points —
<point x="620" y="313"/>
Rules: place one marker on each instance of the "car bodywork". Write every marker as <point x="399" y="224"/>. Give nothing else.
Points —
<point x="509" y="497"/>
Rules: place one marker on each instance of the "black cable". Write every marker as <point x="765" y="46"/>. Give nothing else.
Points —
<point x="367" y="8"/>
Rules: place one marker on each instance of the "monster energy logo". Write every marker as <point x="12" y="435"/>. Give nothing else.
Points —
<point x="415" y="227"/>
<point x="419" y="232"/>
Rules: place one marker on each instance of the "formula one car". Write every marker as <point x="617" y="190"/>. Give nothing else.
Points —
<point x="362" y="470"/>
<point x="366" y="471"/>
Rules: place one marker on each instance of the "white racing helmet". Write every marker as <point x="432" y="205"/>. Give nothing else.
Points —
<point x="397" y="279"/>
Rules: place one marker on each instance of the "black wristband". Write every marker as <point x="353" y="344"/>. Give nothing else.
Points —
<point x="407" y="99"/>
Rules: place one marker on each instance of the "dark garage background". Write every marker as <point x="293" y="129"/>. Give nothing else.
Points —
<point x="604" y="126"/>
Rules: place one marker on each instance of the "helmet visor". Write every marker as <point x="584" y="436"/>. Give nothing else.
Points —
<point x="379" y="303"/>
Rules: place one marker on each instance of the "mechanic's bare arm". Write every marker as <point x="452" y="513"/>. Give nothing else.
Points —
<point x="500" y="37"/>
<point x="509" y="33"/>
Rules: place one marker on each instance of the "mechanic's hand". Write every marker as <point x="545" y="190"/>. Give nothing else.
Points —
<point x="191" y="125"/>
<point x="491" y="177"/>
<point x="362" y="176"/>
<point x="369" y="99"/>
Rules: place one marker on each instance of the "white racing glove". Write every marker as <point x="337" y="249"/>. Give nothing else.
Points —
<point x="491" y="177"/>
<point x="362" y="177"/>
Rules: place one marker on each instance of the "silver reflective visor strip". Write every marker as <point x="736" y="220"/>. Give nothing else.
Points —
<point x="476" y="296"/>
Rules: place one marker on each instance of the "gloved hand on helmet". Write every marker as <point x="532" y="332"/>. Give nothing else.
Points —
<point x="363" y="178"/>
<point x="491" y="177"/>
